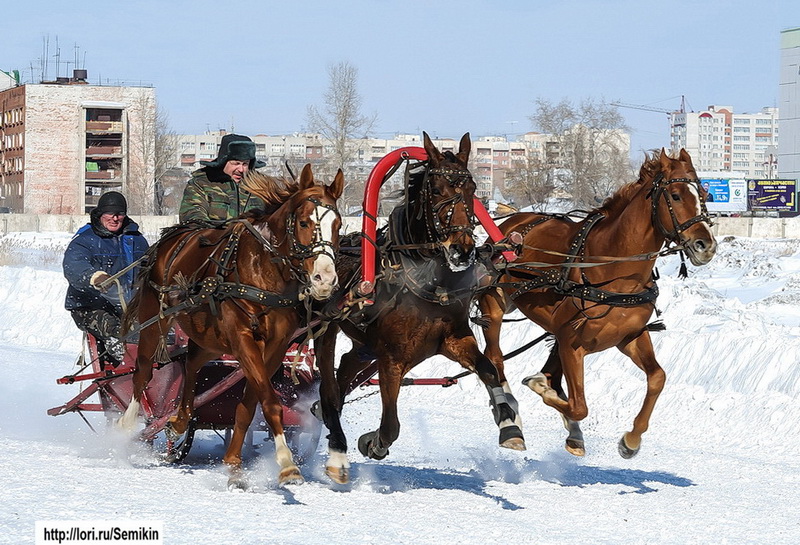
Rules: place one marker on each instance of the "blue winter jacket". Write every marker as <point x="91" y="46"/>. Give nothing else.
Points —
<point x="93" y="249"/>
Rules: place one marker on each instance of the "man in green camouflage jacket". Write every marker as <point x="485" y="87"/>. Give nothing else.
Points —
<point x="213" y="193"/>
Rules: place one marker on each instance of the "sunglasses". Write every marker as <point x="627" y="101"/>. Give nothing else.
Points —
<point x="114" y="214"/>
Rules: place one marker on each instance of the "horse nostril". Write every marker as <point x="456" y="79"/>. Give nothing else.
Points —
<point x="317" y="278"/>
<point x="700" y="245"/>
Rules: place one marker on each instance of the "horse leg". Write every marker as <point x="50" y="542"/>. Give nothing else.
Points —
<point x="375" y="444"/>
<point x="574" y="407"/>
<point x="258" y="367"/>
<point x="196" y="357"/>
<point x="244" y="413"/>
<point x="150" y="342"/>
<point x="640" y="350"/>
<point x="337" y="467"/>
<point x="464" y="349"/>
<point x="552" y="370"/>
<point x="493" y="308"/>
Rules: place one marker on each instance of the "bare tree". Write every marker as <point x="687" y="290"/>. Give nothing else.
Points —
<point x="165" y="152"/>
<point x="153" y="152"/>
<point x="590" y="158"/>
<point x="528" y="181"/>
<point x="139" y="188"/>
<point x="343" y="128"/>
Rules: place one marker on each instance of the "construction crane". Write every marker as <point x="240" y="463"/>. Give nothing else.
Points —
<point x="652" y="108"/>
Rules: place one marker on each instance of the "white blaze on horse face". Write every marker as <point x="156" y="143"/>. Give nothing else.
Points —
<point x="696" y="194"/>
<point x="323" y="277"/>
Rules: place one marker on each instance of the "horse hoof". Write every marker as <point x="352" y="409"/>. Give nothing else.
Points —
<point x="172" y="431"/>
<point x="537" y="383"/>
<point x="575" y="447"/>
<point x="290" y="475"/>
<point x="366" y="446"/>
<point x="237" y="480"/>
<point x="515" y="443"/>
<point x="625" y="451"/>
<point x="339" y="475"/>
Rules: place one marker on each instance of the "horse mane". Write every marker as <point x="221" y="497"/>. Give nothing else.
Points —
<point x="622" y="196"/>
<point x="270" y="189"/>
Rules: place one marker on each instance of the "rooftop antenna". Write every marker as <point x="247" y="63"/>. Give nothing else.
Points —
<point x="57" y="57"/>
<point x="45" y="55"/>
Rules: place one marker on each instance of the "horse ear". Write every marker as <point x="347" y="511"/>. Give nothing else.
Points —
<point x="464" y="148"/>
<point x="434" y="155"/>
<point x="664" y="159"/>
<point x="684" y="156"/>
<point x="306" y="177"/>
<point x="337" y="187"/>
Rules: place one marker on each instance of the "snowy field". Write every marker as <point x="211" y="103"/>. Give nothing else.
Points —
<point x="718" y="466"/>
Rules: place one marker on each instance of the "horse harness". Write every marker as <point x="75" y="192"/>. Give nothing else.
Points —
<point x="660" y="186"/>
<point x="402" y="265"/>
<point x="558" y="278"/>
<point x="456" y="178"/>
<point x="213" y="288"/>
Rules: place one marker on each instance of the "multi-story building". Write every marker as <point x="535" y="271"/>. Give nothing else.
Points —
<point x="789" y="103"/>
<point x="491" y="157"/>
<point x="64" y="143"/>
<point x="718" y="139"/>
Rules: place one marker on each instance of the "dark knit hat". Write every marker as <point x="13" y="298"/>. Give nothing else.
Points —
<point x="235" y="147"/>
<point x="112" y="202"/>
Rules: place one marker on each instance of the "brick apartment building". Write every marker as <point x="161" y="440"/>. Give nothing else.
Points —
<point x="64" y="143"/>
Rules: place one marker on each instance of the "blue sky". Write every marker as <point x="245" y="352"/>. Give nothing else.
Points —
<point x="446" y="67"/>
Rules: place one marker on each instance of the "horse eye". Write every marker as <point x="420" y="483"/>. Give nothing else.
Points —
<point x="436" y="191"/>
<point x="676" y="197"/>
<point x="303" y="224"/>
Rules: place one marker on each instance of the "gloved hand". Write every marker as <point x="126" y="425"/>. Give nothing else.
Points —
<point x="98" y="277"/>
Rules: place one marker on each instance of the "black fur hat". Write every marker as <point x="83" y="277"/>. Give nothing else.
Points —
<point x="238" y="148"/>
<point x="112" y="202"/>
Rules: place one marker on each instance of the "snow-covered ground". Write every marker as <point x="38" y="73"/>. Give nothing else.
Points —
<point x="717" y="466"/>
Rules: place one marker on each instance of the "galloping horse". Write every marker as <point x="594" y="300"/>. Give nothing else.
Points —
<point x="590" y="307"/>
<point x="240" y="289"/>
<point x="421" y="307"/>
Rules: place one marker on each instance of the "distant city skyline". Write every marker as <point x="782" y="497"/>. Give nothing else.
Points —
<point x="445" y="67"/>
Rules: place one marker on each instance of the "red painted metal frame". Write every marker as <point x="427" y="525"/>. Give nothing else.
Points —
<point x="369" y="226"/>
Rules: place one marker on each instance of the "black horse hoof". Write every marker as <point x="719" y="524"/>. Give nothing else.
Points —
<point x="625" y="451"/>
<point x="366" y="446"/>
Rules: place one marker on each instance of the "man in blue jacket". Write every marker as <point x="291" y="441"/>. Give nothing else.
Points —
<point x="101" y="248"/>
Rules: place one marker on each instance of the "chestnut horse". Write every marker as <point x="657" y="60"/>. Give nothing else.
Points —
<point x="240" y="289"/>
<point x="421" y="306"/>
<point x="591" y="284"/>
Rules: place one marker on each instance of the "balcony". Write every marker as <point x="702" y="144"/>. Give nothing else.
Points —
<point x="103" y="126"/>
<point x="104" y="151"/>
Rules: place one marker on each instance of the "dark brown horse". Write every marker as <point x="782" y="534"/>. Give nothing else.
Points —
<point x="240" y="289"/>
<point x="600" y="290"/>
<point x="427" y="277"/>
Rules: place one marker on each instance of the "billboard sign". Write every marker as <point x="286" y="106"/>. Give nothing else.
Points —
<point x="777" y="195"/>
<point x="725" y="194"/>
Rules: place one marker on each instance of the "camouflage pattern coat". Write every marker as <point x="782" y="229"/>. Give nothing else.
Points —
<point x="211" y="195"/>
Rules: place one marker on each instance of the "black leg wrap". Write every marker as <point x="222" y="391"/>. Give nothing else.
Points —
<point x="510" y="432"/>
<point x="367" y="445"/>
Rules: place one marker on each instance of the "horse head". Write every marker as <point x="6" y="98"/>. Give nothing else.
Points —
<point x="445" y="202"/>
<point x="312" y="224"/>
<point x="679" y="208"/>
